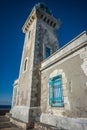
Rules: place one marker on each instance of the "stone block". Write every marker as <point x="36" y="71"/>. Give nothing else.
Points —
<point x="64" y="122"/>
<point x="20" y="113"/>
<point x="85" y="126"/>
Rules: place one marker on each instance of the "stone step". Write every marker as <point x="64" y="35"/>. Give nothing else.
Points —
<point x="42" y="126"/>
<point x="4" y="119"/>
<point x="12" y="128"/>
<point x="8" y="115"/>
<point x="5" y="125"/>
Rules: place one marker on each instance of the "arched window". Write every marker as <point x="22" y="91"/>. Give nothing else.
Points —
<point x="25" y="65"/>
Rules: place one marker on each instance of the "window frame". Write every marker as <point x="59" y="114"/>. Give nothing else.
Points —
<point x="55" y="101"/>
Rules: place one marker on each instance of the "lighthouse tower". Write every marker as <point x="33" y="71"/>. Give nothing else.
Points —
<point x="40" y="42"/>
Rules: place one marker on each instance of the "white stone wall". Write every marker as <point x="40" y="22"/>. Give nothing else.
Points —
<point x="80" y="39"/>
<point x="64" y="122"/>
<point x="15" y="93"/>
<point x="25" y="77"/>
<point x="73" y="67"/>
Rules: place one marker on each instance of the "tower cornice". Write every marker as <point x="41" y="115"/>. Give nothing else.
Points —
<point x="39" y="13"/>
<point x="29" y="20"/>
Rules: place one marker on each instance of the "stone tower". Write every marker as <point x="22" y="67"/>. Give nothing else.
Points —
<point x="40" y="42"/>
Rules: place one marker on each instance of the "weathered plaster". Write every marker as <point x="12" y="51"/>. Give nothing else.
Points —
<point x="75" y="81"/>
<point x="83" y="56"/>
<point x="64" y="122"/>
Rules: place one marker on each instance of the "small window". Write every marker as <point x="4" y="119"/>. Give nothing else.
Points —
<point x="48" y="52"/>
<point x="51" y="23"/>
<point x="41" y="16"/>
<point x="29" y="34"/>
<point x="25" y="29"/>
<point x="55" y="91"/>
<point x="54" y="25"/>
<point x="32" y="17"/>
<point x="45" y="19"/>
<point x="48" y="21"/>
<point x="25" y="65"/>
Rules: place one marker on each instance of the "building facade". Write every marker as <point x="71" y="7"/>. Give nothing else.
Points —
<point x="52" y="83"/>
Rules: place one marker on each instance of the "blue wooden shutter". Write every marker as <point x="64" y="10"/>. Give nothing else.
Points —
<point x="59" y="101"/>
<point x="55" y="91"/>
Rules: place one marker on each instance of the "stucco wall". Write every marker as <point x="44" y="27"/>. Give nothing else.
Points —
<point x="15" y="93"/>
<point x="73" y="68"/>
<point x="25" y="77"/>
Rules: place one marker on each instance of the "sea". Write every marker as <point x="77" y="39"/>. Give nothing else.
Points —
<point x="5" y="107"/>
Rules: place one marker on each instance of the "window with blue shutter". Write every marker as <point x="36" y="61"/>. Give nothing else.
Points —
<point x="55" y="91"/>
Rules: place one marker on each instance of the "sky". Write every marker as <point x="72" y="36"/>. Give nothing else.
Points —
<point x="13" y="14"/>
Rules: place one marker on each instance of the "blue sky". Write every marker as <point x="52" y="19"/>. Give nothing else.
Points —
<point x="13" y="13"/>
